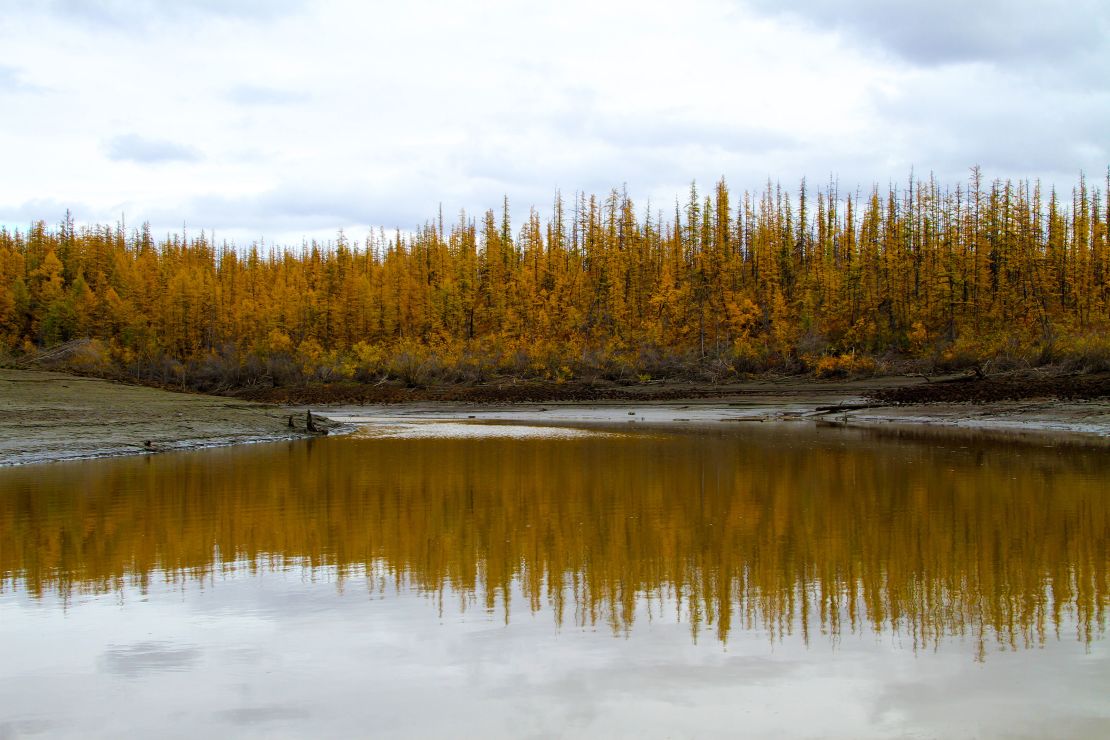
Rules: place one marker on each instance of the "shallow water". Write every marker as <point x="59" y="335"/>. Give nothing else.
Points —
<point x="465" y="579"/>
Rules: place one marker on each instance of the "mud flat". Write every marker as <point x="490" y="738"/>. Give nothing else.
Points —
<point x="47" y="416"/>
<point x="856" y="404"/>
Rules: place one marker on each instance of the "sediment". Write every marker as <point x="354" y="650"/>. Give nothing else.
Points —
<point x="47" y="416"/>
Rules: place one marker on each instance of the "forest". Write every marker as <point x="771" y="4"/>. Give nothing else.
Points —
<point x="814" y="280"/>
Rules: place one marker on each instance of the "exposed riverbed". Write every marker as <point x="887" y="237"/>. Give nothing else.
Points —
<point x="47" y="416"/>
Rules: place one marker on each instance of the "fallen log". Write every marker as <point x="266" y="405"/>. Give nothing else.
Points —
<point x="848" y="407"/>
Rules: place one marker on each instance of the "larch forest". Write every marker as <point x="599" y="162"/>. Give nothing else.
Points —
<point x="814" y="281"/>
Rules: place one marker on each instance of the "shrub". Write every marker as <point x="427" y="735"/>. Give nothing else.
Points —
<point x="1088" y="353"/>
<point x="841" y="366"/>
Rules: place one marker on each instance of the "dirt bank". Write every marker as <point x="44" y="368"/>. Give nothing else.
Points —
<point x="50" y="416"/>
<point x="885" y="390"/>
<point x="1080" y="421"/>
<point x="1016" y="403"/>
<point x="832" y="404"/>
<point x="512" y="391"/>
<point x="1013" y="387"/>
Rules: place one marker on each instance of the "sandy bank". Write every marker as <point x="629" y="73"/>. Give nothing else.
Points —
<point x="51" y="416"/>
<point x="48" y="416"/>
<point x="1020" y="403"/>
<point x="830" y="406"/>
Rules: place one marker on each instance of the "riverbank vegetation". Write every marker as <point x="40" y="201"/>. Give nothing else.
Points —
<point x="818" y="281"/>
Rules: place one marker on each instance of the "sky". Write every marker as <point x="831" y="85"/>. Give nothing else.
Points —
<point x="285" y="120"/>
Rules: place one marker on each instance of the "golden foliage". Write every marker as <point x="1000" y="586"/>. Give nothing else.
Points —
<point x="757" y="282"/>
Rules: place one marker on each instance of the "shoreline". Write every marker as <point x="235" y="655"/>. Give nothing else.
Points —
<point x="49" y="416"/>
<point x="52" y="417"/>
<point x="1081" y="422"/>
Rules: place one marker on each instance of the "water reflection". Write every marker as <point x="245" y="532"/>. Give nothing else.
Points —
<point x="788" y="531"/>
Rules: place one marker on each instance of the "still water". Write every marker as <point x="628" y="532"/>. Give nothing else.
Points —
<point x="492" y="581"/>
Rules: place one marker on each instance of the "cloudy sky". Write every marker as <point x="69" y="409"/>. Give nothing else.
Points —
<point x="285" y="119"/>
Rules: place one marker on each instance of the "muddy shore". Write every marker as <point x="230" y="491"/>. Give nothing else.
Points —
<point x="46" y="416"/>
<point x="888" y="390"/>
<point x="1078" y="421"/>
<point x="1020" y="404"/>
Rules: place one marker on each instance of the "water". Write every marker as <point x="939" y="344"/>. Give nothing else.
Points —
<point x="474" y="581"/>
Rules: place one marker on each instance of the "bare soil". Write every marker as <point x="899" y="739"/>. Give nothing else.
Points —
<point x="875" y="392"/>
<point x="1023" y="404"/>
<point x="1014" y="387"/>
<point x="48" y="416"/>
<point x="513" y="391"/>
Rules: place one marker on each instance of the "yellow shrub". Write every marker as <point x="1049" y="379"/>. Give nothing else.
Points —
<point x="838" y="366"/>
<point x="917" y="337"/>
<point x="92" y="357"/>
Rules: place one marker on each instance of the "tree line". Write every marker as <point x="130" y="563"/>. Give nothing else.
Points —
<point x="812" y="280"/>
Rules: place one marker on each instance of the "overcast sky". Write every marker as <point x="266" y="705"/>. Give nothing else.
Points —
<point x="287" y="118"/>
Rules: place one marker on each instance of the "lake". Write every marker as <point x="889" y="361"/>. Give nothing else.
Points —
<point x="518" y="580"/>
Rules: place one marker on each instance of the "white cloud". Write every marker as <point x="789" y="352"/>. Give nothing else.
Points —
<point x="947" y="31"/>
<point x="12" y="81"/>
<point x="265" y="95"/>
<point x="289" y="119"/>
<point x="132" y="14"/>
<point x="144" y="150"/>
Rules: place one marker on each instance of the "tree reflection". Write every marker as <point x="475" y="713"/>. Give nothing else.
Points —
<point x="791" y="532"/>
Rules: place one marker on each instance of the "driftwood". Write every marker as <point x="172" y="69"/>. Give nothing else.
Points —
<point x="848" y="407"/>
<point x="54" y="353"/>
<point x="980" y="370"/>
